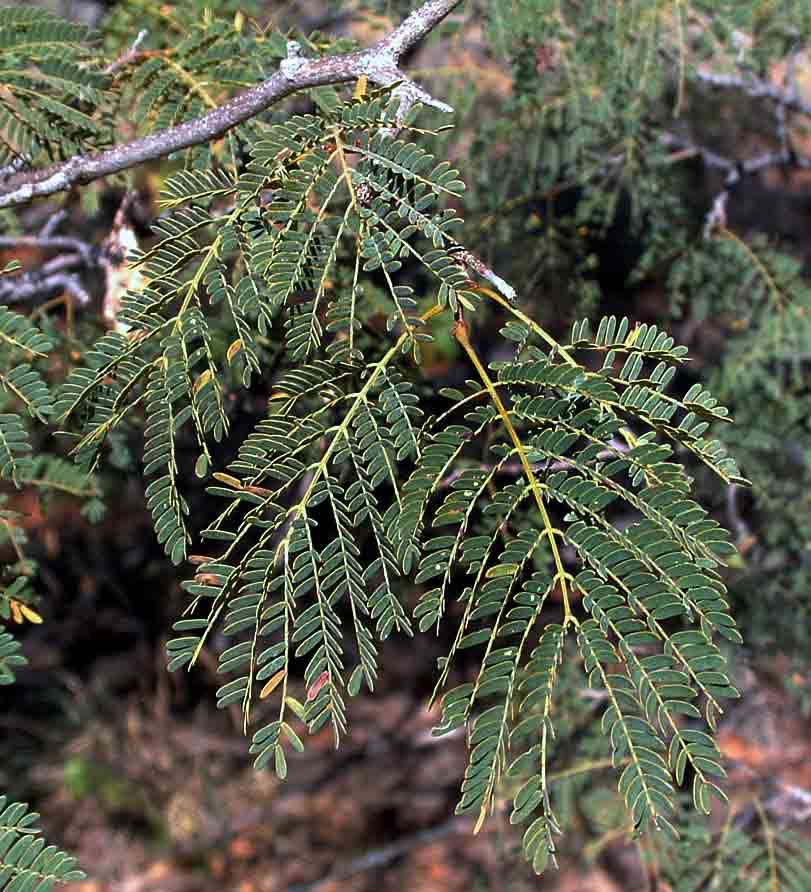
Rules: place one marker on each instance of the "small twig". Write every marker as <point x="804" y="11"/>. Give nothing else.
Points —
<point x="687" y="149"/>
<point x="735" y="171"/>
<point x="52" y="276"/>
<point x="386" y="854"/>
<point x="53" y="223"/>
<point x="472" y="264"/>
<point x="129" y="56"/>
<point x="717" y="216"/>
<point x="787" y="98"/>
<point x="58" y="264"/>
<point x="516" y="468"/>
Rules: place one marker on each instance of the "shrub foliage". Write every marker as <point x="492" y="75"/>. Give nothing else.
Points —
<point x="545" y="506"/>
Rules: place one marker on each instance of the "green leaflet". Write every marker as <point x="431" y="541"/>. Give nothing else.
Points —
<point x="759" y="858"/>
<point x="26" y="861"/>
<point x="10" y="658"/>
<point x="21" y="343"/>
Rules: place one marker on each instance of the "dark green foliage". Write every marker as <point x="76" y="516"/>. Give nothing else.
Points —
<point x="10" y="658"/>
<point x="26" y="862"/>
<point x="347" y="449"/>
<point x="50" y="95"/>
<point x="23" y="385"/>
<point x="764" y="858"/>
<point x="558" y="508"/>
<point x="661" y="567"/>
<point x="764" y="376"/>
<point x="575" y="187"/>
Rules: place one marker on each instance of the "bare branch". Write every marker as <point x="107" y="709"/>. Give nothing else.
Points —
<point x="757" y="89"/>
<point x="717" y="216"/>
<point x="379" y="64"/>
<point x="53" y="223"/>
<point x="786" y="98"/>
<point x="17" y="164"/>
<point x="417" y="26"/>
<point x="48" y="243"/>
<point x="471" y="263"/>
<point x="34" y="285"/>
<point x="735" y="171"/>
<point x="688" y="149"/>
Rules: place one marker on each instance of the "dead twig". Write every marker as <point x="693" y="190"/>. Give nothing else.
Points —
<point x="129" y="56"/>
<point x="384" y="855"/>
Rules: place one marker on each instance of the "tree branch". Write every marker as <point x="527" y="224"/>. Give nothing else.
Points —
<point x="379" y="63"/>
<point x="419" y="24"/>
<point x="34" y="285"/>
<point x="132" y="53"/>
<point x="47" y="243"/>
<point x="735" y="171"/>
<point x="757" y="89"/>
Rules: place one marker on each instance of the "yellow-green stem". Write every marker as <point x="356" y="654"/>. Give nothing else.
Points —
<point x="768" y="835"/>
<point x="527" y="320"/>
<point x="542" y="333"/>
<point x="460" y="332"/>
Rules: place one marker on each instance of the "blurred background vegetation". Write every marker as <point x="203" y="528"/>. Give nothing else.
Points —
<point x="636" y="158"/>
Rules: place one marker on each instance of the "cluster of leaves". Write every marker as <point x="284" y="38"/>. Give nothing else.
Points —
<point x="573" y="188"/>
<point x="549" y="501"/>
<point x="745" y="857"/>
<point x="26" y="861"/>
<point x="747" y="849"/>
<point x="765" y="303"/>
<point x="27" y="405"/>
<point x="572" y="191"/>
<point x="662" y="566"/>
<point x="346" y="460"/>
<point x="50" y="96"/>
